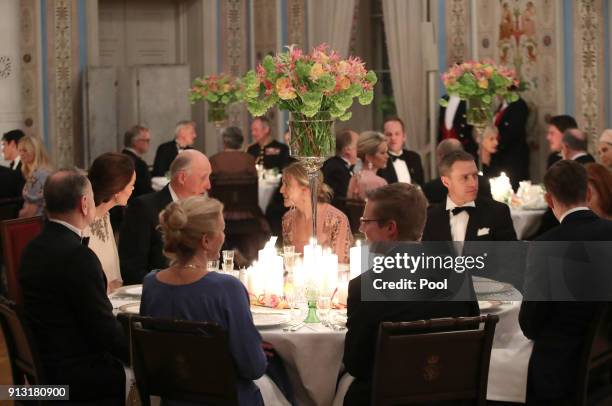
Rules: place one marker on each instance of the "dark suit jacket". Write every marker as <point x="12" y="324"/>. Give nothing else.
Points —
<point x="585" y="159"/>
<point x="463" y="131"/>
<point x="559" y="328"/>
<point x="11" y="182"/>
<point x="512" y="154"/>
<point x="553" y="157"/>
<point x="337" y="175"/>
<point x="413" y="162"/>
<point x="164" y="156"/>
<point x="363" y="320"/>
<point x="143" y="177"/>
<point x="140" y="243"/>
<point x="488" y="213"/>
<point x="233" y="164"/>
<point x="274" y="155"/>
<point x="65" y="302"/>
<point x="436" y="192"/>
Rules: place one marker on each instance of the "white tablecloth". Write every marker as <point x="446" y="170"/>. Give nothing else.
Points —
<point x="265" y="189"/>
<point x="526" y="222"/>
<point x="313" y="358"/>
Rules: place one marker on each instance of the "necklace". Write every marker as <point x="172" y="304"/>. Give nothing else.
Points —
<point x="192" y="266"/>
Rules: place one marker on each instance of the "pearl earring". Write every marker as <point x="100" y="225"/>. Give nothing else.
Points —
<point x="370" y="166"/>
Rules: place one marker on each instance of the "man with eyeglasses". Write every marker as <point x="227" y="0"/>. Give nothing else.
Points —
<point x="11" y="178"/>
<point x="137" y="141"/>
<point x="393" y="213"/>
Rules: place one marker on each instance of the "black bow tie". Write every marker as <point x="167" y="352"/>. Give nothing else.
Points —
<point x="351" y="168"/>
<point x="394" y="157"/>
<point x="85" y="241"/>
<point x="458" y="210"/>
<point x="12" y="165"/>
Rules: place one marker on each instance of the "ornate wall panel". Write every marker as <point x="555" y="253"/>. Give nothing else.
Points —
<point x="265" y="28"/>
<point x="30" y="64"/>
<point x="296" y="22"/>
<point x="457" y="31"/>
<point x="11" y="115"/>
<point x="589" y="60"/>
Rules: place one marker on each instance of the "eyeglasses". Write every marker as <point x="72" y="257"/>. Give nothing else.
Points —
<point x="363" y="220"/>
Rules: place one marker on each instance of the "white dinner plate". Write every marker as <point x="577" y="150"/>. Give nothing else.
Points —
<point x="133" y="290"/>
<point x="485" y="286"/>
<point x="488" y="305"/>
<point x="133" y="308"/>
<point x="263" y="320"/>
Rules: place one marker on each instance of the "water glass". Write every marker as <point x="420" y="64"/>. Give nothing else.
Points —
<point x="212" y="266"/>
<point x="289" y="257"/>
<point x="228" y="261"/>
<point x="323" y="309"/>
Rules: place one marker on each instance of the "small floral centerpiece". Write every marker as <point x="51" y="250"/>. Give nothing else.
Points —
<point x="479" y="83"/>
<point x="316" y="88"/>
<point x="219" y="91"/>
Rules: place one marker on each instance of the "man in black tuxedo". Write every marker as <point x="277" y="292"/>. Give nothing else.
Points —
<point x="403" y="165"/>
<point x="452" y="124"/>
<point x="338" y="170"/>
<point x="512" y="154"/>
<point x="136" y="142"/>
<point x="11" y="178"/>
<point x="64" y="294"/>
<point x="184" y="137"/>
<point x="265" y="150"/>
<point x="434" y="190"/>
<point x="394" y="212"/>
<point x="574" y="146"/>
<point x="558" y="329"/>
<point x="556" y="127"/>
<point x="140" y="243"/>
<point x="465" y="216"/>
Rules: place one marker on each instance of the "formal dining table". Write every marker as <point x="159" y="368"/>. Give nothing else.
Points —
<point x="526" y="221"/>
<point x="313" y="354"/>
<point x="266" y="187"/>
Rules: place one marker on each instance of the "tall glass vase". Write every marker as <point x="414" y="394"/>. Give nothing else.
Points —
<point x="312" y="141"/>
<point x="479" y="115"/>
<point x="217" y="114"/>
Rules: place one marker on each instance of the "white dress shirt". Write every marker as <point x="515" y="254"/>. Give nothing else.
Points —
<point x="401" y="169"/>
<point x="15" y="163"/>
<point x="458" y="222"/>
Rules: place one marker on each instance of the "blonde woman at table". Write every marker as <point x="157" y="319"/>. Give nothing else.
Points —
<point x="333" y="229"/>
<point x="36" y="168"/>
<point x="112" y="176"/>
<point x="372" y="151"/>
<point x="192" y="233"/>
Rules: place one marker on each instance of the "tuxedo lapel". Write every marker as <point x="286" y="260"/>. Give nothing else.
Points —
<point x="442" y="229"/>
<point x="471" y="232"/>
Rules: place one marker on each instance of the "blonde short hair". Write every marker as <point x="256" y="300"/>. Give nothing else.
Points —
<point x="35" y="147"/>
<point x="368" y="143"/>
<point x="184" y="223"/>
<point x="298" y="172"/>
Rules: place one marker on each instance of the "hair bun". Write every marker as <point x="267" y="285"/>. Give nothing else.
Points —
<point x="175" y="218"/>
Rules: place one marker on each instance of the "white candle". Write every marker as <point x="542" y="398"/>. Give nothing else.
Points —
<point x="355" y="260"/>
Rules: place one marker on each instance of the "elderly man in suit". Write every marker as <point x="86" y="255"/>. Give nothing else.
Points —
<point x="184" y="137"/>
<point x="393" y="213"/>
<point x="11" y="178"/>
<point x="403" y="165"/>
<point x="140" y="244"/>
<point x="64" y="293"/>
<point x="338" y="170"/>
<point x="465" y="216"/>
<point x="574" y="146"/>
<point x="266" y="151"/>
<point x="559" y="329"/>
<point x="232" y="161"/>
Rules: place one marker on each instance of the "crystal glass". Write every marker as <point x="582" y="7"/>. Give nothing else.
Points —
<point x="323" y="308"/>
<point x="289" y="257"/>
<point x="212" y="266"/>
<point x="228" y="261"/>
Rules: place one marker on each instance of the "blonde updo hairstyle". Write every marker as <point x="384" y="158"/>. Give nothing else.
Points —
<point x="368" y="143"/>
<point x="184" y="223"/>
<point x="298" y="172"/>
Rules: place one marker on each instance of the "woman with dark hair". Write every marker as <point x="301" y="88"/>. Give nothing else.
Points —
<point x="112" y="178"/>
<point x="333" y="229"/>
<point x="600" y="188"/>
